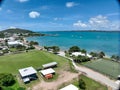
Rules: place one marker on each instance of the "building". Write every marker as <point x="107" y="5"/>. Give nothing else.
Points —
<point x="81" y="54"/>
<point x="50" y="65"/>
<point x="28" y="74"/>
<point x="47" y="73"/>
<point x="14" y="43"/>
<point x="70" y="87"/>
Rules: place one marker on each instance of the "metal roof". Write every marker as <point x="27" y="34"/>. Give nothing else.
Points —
<point x="27" y="71"/>
<point x="49" y="64"/>
<point x="70" y="87"/>
<point x="47" y="71"/>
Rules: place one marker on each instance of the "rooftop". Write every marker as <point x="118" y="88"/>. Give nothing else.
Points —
<point x="49" y="64"/>
<point x="14" y="43"/>
<point x="27" y="71"/>
<point x="47" y="71"/>
<point x="70" y="87"/>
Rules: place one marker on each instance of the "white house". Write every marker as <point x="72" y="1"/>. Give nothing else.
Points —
<point x="28" y="74"/>
<point x="14" y="43"/>
<point x="81" y="54"/>
<point x="70" y="87"/>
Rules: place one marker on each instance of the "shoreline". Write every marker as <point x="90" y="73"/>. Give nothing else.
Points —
<point x="62" y="50"/>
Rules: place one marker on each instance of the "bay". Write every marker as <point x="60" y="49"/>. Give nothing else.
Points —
<point x="91" y="41"/>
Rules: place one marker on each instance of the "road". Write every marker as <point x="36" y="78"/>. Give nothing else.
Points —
<point x="94" y="75"/>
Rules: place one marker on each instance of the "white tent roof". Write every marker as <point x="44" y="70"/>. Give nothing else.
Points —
<point x="47" y="71"/>
<point x="78" y="53"/>
<point x="82" y="54"/>
<point x="14" y="43"/>
<point x="70" y="87"/>
<point x="27" y="71"/>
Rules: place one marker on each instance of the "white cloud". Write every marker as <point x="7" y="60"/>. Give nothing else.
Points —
<point x="71" y="4"/>
<point x="115" y="25"/>
<point x="12" y="27"/>
<point x="80" y="24"/>
<point x="34" y="14"/>
<point x="113" y="14"/>
<point x="45" y="7"/>
<point x="9" y="11"/>
<point x="58" y="18"/>
<point x="0" y="27"/>
<point x="23" y="1"/>
<point x="99" y="22"/>
<point x="0" y="9"/>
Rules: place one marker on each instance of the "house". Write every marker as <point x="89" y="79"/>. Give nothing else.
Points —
<point x="81" y="54"/>
<point x="49" y="65"/>
<point x="47" y="73"/>
<point x="28" y="74"/>
<point x="70" y="87"/>
<point x="14" y="43"/>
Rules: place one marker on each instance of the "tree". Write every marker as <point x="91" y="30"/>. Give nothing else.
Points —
<point x="20" y="47"/>
<point x="6" y="79"/>
<point x="2" y="35"/>
<point x="74" y="49"/>
<point x="84" y="51"/>
<point x="82" y="84"/>
<point x="113" y="56"/>
<point x="80" y="59"/>
<point x="93" y="54"/>
<point x="56" y="49"/>
<point x="33" y="43"/>
<point x="102" y="53"/>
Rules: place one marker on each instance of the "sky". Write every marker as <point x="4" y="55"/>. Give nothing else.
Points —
<point x="59" y="15"/>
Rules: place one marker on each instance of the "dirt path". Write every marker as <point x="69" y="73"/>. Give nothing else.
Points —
<point x="65" y="76"/>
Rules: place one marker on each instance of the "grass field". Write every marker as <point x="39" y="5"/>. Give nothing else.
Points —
<point x="11" y="63"/>
<point x="106" y="67"/>
<point x="90" y="84"/>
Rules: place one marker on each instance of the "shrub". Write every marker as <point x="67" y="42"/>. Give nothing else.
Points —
<point x="82" y="84"/>
<point x="6" y="79"/>
<point x="74" y="49"/>
<point x="20" y="88"/>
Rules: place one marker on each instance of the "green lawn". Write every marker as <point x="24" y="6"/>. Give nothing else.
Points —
<point x="107" y="67"/>
<point x="35" y="58"/>
<point x="90" y="84"/>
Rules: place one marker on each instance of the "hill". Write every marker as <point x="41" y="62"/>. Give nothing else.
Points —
<point x="23" y="32"/>
<point x="16" y="30"/>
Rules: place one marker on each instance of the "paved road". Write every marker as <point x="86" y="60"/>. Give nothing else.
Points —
<point x="94" y="75"/>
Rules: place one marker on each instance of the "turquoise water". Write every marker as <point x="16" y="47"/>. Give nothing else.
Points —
<point x="91" y="41"/>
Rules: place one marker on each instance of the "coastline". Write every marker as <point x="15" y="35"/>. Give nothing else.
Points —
<point x="92" y="42"/>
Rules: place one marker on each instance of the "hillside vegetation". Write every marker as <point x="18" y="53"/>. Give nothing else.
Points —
<point x="19" y="31"/>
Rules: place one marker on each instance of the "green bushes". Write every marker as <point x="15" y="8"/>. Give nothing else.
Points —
<point x="82" y="84"/>
<point x="54" y="49"/>
<point x="74" y="49"/>
<point x="80" y="59"/>
<point x="6" y="79"/>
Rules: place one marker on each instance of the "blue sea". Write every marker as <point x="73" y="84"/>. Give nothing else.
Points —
<point x="91" y="41"/>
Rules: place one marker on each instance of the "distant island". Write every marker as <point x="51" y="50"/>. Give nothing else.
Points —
<point x="18" y="32"/>
<point x="88" y="31"/>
